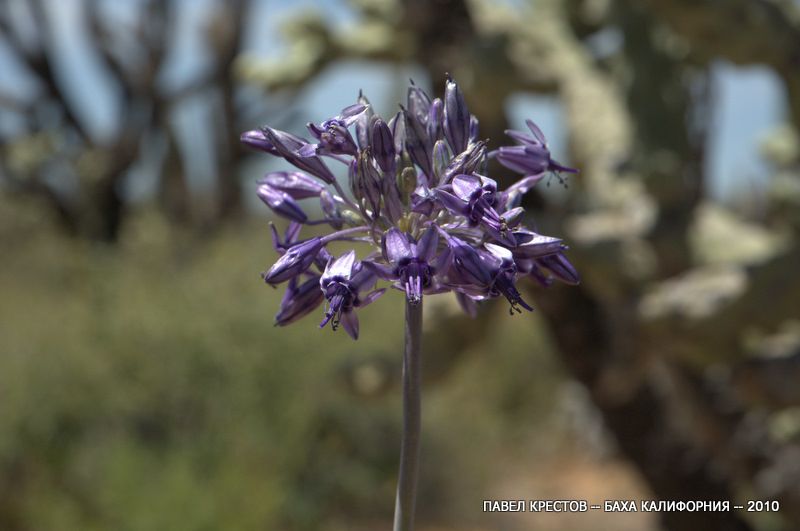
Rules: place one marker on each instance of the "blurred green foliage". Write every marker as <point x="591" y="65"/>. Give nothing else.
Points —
<point x="145" y="388"/>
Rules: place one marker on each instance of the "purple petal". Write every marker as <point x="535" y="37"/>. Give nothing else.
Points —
<point x="363" y="278"/>
<point x="467" y="304"/>
<point x="532" y="245"/>
<point x="309" y="150"/>
<point x="382" y="271"/>
<point x="536" y="132"/>
<point x="350" y="323"/>
<point x="426" y="246"/>
<point x="371" y="297"/>
<point x="468" y="263"/>
<point x="464" y="186"/>
<point x="451" y="202"/>
<point x="396" y="245"/>
<point x="299" y="301"/>
<point x="341" y="267"/>
<point x="315" y="130"/>
<point x="524" y="159"/>
<point x="350" y="113"/>
<point x="276" y="239"/>
<point x="292" y="232"/>
<point x="557" y="166"/>
<point x="512" y="216"/>
<point x="522" y="138"/>
<point x="526" y="183"/>
<point x="421" y="204"/>
<point x="500" y="252"/>
<point x="561" y="268"/>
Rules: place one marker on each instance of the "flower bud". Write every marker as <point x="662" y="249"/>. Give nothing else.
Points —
<point x="299" y="300"/>
<point x="418" y="143"/>
<point x="382" y="144"/>
<point x="362" y="122"/>
<point x="441" y="158"/>
<point x="369" y="181"/>
<point x="256" y="139"/>
<point x="561" y="268"/>
<point x="407" y="182"/>
<point x="456" y="117"/>
<point x="419" y="103"/>
<point x="296" y="260"/>
<point x="281" y="203"/>
<point x="435" y="118"/>
<point x="297" y="184"/>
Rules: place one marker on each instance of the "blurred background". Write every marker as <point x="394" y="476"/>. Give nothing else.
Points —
<point x="143" y="386"/>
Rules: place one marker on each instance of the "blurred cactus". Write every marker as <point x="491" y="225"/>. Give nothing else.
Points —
<point x="675" y="284"/>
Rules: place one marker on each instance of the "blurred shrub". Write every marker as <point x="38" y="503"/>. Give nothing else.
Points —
<point x="144" y="388"/>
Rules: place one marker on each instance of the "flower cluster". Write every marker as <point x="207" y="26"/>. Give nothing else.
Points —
<point x="418" y="197"/>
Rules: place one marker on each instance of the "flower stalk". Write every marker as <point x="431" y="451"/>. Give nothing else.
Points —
<point x="405" y="502"/>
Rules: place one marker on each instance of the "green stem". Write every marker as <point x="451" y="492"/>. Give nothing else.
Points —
<point x="412" y="416"/>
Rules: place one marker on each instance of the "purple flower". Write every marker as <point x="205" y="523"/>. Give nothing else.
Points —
<point x="468" y="271"/>
<point x="504" y="271"/>
<point x="473" y="196"/>
<point x="532" y="155"/>
<point x="342" y="283"/>
<point x="418" y="197"/>
<point x="411" y="262"/>
<point x="333" y="135"/>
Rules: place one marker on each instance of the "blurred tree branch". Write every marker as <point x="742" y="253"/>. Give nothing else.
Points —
<point x="134" y="62"/>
